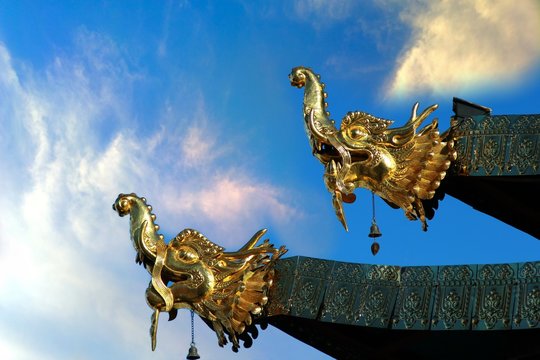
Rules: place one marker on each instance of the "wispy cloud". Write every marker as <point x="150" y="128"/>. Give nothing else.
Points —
<point x="459" y="45"/>
<point x="162" y="44"/>
<point x="346" y="66"/>
<point x="75" y="148"/>
<point x="53" y="235"/>
<point x="323" y="12"/>
<point x="232" y="203"/>
<point x="199" y="145"/>
<point x="169" y="10"/>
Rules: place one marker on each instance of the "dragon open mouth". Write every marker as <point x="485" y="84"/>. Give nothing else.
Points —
<point x="180" y="277"/>
<point x="298" y="80"/>
<point x="326" y="153"/>
<point x="299" y="83"/>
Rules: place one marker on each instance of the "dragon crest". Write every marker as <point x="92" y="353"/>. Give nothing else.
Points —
<point x="401" y="165"/>
<point x="227" y="289"/>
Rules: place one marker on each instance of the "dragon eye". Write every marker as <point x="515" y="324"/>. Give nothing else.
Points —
<point x="357" y="133"/>
<point x="187" y="254"/>
<point x="124" y="203"/>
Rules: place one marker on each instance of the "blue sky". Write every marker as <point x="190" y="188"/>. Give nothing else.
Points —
<point x="189" y="104"/>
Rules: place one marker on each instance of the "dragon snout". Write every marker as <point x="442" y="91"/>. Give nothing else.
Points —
<point x="118" y="209"/>
<point x="121" y="205"/>
<point x="297" y="79"/>
<point x="299" y="83"/>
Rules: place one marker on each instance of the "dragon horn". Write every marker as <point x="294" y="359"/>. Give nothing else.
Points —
<point x="254" y="239"/>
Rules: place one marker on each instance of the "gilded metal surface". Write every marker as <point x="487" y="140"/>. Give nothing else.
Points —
<point x="497" y="145"/>
<point x="401" y="165"/>
<point x="228" y="289"/>
<point x="462" y="297"/>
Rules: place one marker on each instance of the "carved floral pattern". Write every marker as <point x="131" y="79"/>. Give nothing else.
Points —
<point x="305" y="299"/>
<point x="384" y="273"/>
<point x="494" y="307"/>
<point x="315" y="267"/>
<point x="498" y="145"/>
<point x="455" y="273"/>
<point x="451" y="309"/>
<point x="375" y="306"/>
<point x="496" y="273"/>
<point x="531" y="309"/>
<point x="529" y="270"/>
<point x="340" y="303"/>
<point x="348" y="272"/>
<point x="414" y="275"/>
<point x="445" y="297"/>
<point x="413" y="308"/>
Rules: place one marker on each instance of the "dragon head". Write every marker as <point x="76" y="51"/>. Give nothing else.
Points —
<point x="123" y="203"/>
<point x="401" y="165"/>
<point x="298" y="76"/>
<point x="228" y="289"/>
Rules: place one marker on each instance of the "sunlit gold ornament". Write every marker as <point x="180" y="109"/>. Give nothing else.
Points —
<point x="401" y="166"/>
<point x="226" y="288"/>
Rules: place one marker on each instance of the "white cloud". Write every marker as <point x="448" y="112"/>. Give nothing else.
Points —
<point x="232" y="205"/>
<point x="199" y="146"/>
<point x="56" y="246"/>
<point x="195" y="147"/>
<point x="458" y="45"/>
<point x="65" y="255"/>
<point x="13" y="349"/>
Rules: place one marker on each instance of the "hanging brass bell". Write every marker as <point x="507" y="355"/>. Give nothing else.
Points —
<point x="374" y="231"/>
<point x="193" y="353"/>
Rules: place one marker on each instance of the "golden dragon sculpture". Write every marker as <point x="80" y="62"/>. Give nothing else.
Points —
<point x="227" y="289"/>
<point x="402" y="166"/>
